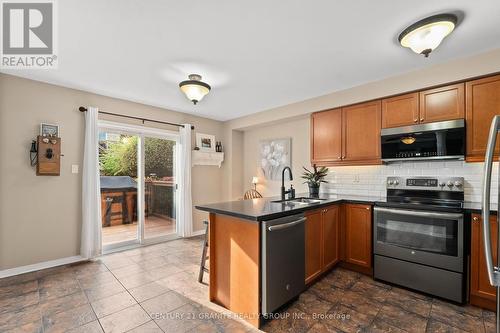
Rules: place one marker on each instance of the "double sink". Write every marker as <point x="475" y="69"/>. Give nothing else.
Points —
<point x="300" y="201"/>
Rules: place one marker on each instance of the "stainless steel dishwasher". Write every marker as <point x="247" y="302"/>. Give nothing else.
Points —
<point x="283" y="261"/>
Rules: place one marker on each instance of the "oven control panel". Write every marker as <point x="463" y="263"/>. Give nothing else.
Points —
<point x="426" y="183"/>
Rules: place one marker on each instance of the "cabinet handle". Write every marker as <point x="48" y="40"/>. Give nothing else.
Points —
<point x="367" y="208"/>
<point x="415" y="120"/>
<point x="343" y="157"/>
<point x="475" y="219"/>
<point x="340" y="157"/>
<point x="421" y="119"/>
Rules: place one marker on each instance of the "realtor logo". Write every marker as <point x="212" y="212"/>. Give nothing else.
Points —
<point x="28" y="32"/>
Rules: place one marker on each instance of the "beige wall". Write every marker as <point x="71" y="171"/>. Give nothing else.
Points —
<point x="298" y="131"/>
<point x="40" y="216"/>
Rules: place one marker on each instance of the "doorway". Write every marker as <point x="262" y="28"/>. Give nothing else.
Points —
<point x="139" y="188"/>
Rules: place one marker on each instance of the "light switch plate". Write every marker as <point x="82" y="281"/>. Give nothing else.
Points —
<point x="74" y="168"/>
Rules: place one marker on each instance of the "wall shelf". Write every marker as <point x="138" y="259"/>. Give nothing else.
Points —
<point x="199" y="157"/>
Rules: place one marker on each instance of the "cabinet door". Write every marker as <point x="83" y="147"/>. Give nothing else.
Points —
<point x="326" y="136"/>
<point x="483" y="102"/>
<point x="361" y="132"/>
<point x="444" y="103"/>
<point x="400" y="110"/>
<point x="313" y="245"/>
<point x="331" y="219"/>
<point x="479" y="283"/>
<point x="358" y="235"/>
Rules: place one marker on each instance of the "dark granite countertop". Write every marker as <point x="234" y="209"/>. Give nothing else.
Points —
<point x="265" y="209"/>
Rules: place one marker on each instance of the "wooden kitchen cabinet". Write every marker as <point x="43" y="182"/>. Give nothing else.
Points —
<point x="481" y="292"/>
<point x="443" y="103"/>
<point x="482" y="104"/>
<point x="358" y="235"/>
<point x="361" y="133"/>
<point x="400" y="110"/>
<point x="427" y="106"/>
<point x="331" y="233"/>
<point x="326" y="136"/>
<point x="313" y="245"/>
<point x="322" y="241"/>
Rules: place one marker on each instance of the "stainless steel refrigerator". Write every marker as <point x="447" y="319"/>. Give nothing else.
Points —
<point x="493" y="268"/>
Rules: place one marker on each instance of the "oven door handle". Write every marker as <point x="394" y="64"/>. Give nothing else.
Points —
<point x="447" y="216"/>
<point x="493" y="272"/>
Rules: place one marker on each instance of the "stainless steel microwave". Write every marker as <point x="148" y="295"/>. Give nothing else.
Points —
<point x="444" y="140"/>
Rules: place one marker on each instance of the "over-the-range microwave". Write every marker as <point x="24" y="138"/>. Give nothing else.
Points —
<point x="444" y="140"/>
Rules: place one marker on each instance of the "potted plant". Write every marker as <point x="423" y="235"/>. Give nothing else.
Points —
<point x="314" y="178"/>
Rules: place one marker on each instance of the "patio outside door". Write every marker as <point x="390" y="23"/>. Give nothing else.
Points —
<point x="138" y="168"/>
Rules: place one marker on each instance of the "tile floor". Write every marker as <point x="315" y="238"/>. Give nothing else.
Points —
<point x="155" y="289"/>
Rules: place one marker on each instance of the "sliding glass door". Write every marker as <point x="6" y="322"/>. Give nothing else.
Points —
<point x="160" y="187"/>
<point x="138" y="185"/>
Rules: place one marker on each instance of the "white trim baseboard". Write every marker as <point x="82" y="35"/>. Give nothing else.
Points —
<point x="198" y="233"/>
<point x="38" y="266"/>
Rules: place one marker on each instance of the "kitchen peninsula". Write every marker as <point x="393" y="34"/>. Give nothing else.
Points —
<point x="250" y="280"/>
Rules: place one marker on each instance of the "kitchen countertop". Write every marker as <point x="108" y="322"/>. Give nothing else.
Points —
<point x="265" y="209"/>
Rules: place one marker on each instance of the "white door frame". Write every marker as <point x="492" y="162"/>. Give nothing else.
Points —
<point x="141" y="132"/>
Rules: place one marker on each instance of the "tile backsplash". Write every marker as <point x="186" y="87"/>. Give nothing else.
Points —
<point x="370" y="180"/>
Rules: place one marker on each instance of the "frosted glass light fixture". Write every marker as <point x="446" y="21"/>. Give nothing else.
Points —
<point x="194" y="88"/>
<point x="425" y="35"/>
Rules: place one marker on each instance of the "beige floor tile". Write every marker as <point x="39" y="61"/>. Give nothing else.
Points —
<point x="64" y="321"/>
<point x="147" y="291"/>
<point x="11" y="320"/>
<point x="135" y="280"/>
<point x="124" y="320"/>
<point x="112" y="304"/>
<point x="103" y="290"/>
<point x="64" y="303"/>
<point x="92" y="327"/>
<point x="164" y="303"/>
<point x="149" y="327"/>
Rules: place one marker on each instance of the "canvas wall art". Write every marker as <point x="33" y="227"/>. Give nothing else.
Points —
<point x="274" y="156"/>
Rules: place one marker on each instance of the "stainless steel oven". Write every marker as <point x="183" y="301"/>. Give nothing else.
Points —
<point x="418" y="236"/>
<point x="425" y="237"/>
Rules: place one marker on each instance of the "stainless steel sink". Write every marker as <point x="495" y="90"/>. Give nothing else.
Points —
<point x="301" y="201"/>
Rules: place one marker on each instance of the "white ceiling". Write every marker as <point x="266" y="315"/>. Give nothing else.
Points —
<point x="255" y="54"/>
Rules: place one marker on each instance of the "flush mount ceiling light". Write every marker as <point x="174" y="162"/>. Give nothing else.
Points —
<point x="194" y="88"/>
<point x="425" y="35"/>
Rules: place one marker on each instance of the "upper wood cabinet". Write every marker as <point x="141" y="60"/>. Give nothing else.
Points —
<point x="326" y="136"/>
<point x="361" y="132"/>
<point x="400" y="110"/>
<point x="482" y="104"/>
<point x="481" y="292"/>
<point x="346" y="136"/>
<point x="313" y="245"/>
<point x="358" y="235"/>
<point x="443" y="103"/>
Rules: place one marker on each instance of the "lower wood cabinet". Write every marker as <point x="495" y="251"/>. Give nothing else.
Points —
<point x="313" y="245"/>
<point x="331" y="239"/>
<point x="358" y="235"/>
<point x="481" y="292"/>
<point x="322" y="241"/>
